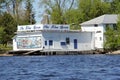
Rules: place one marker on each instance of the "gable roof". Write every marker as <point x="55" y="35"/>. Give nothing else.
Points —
<point x="104" y="19"/>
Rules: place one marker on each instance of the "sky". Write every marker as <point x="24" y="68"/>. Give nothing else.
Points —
<point x="38" y="11"/>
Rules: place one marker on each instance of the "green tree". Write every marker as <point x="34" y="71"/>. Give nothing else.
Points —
<point x="112" y="36"/>
<point x="2" y="34"/>
<point x="57" y="9"/>
<point x="111" y="42"/>
<point x="118" y="30"/>
<point x="74" y="18"/>
<point x="29" y="18"/>
<point x="93" y="8"/>
<point x="115" y="6"/>
<point x="9" y="25"/>
<point x="18" y="9"/>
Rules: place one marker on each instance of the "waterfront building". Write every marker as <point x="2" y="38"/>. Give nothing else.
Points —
<point x="98" y="26"/>
<point x="52" y="37"/>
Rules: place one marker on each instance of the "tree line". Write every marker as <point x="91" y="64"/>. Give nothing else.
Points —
<point x="78" y="11"/>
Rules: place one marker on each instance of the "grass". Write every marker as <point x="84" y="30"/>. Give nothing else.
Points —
<point x="4" y="48"/>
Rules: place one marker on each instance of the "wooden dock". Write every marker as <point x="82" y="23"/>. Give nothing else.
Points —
<point x="38" y="52"/>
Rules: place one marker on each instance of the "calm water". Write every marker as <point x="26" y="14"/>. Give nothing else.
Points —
<point x="82" y="67"/>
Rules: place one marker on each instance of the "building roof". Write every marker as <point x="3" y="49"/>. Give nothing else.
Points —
<point x="104" y="19"/>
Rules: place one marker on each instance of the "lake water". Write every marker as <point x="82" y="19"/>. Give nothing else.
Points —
<point x="68" y="67"/>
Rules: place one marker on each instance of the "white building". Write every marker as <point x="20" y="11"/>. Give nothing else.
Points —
<point x="52" y="38"/>
<point x="98" y="26"/>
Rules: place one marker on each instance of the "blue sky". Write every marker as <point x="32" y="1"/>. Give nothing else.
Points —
<point x="38" y="11"/>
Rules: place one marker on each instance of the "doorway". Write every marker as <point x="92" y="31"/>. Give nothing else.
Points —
<point x="75" y="44"/>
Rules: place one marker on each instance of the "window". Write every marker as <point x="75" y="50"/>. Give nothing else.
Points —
<point x="107" y="25"/>
<point x="63" y="43"/>
<point x="114" y="26"/>
<point x="50" y="42"/>
<point x="98" y="31"/>
<point x="100" y="38"/>
<point x="67" y="40"/>
<point x="96" y="25"/>
<point x="45" y="42"/>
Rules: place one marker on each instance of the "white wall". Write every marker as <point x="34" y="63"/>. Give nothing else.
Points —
<point x="85" y="40"/>
<point x="14" y="43"/>
<point x="99" y="33"/>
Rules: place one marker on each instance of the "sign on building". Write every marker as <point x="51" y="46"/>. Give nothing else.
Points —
<point x="43" y="27"/>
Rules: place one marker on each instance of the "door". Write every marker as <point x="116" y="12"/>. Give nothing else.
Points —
<point x="75" y="44"/>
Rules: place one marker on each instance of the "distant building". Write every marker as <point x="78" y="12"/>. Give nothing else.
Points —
<point x="45" y="19"/>
<point x="98" y="26"/>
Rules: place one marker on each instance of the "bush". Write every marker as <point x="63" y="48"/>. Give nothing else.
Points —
<point x="5" y="48"/>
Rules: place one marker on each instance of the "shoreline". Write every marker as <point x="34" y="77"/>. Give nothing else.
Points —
<point x="5" y="54"/>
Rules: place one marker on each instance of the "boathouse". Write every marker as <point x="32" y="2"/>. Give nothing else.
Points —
<point x="51" y="37"/>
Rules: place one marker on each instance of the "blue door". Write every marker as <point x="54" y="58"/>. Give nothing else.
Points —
<point x="75" y="43"/>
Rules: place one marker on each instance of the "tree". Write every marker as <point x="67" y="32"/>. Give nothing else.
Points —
<point x="112" y="36"/>
<point x="115" y="5"/>
<point x="74" y="18"/>
<point x="57" y="8"/>
<point x="2" y="5"/>
<point x="93" y="8"/>
<point x="16" y="8"/>
<point x="9" y="25"/>
<point x="111" y="42"/>
<point x="2" y="34"/>
<point x="118" y="30"/>
<point x="29" y="19"/>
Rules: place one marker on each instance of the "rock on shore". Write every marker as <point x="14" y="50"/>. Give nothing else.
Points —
<point x="115" y="52"/>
